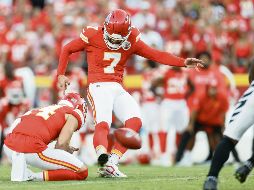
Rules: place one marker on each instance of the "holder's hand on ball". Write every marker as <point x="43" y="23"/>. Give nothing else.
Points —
<point x="62" y="82"/>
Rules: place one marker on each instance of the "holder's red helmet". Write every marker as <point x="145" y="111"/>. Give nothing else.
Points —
<point x="75" y="101"/>
<point x="117" y="28"/>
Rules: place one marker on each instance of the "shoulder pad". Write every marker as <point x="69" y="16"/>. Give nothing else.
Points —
<point x="88" y="32"/>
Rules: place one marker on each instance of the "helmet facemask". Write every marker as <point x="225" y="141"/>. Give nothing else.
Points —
<point x="116" y="41"/>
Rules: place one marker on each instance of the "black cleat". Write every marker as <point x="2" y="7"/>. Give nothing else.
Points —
<point x="102" y="159"/>
<point x="242" y="173"/>
<point x="210" y="183"/>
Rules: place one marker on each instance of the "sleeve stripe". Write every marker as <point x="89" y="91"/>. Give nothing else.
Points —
<point x="138" y="37"/>
<point x="84" y="38"/>
<point x="81" y="115"/>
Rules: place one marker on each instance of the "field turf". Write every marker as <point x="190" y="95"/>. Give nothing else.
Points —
<point x="140" y="178"/>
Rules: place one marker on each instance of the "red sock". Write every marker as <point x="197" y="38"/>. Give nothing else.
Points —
<point x="63" y="174"/>
<point x="150" y="140"/>
<point x="134" y="124"/>
<point x="111" y="142"/>
<point x="100" y="138"/>
<point x="178" y="139"/>
<point x="163" y="141"/>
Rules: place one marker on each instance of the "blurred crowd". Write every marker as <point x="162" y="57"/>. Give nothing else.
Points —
<point x="33" y="32"/>
<point x="220" y="32"/>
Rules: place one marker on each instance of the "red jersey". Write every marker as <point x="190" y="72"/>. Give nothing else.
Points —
<point x="202" y="78"/>
<point x="39" y="127"/>
<point x="175" y="84"/>
<point x="105" y="65"/>
<point x="19" y="50"/>
<point x="211" y="111"/>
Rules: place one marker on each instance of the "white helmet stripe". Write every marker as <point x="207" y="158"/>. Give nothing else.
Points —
<point x="65" y="103"/>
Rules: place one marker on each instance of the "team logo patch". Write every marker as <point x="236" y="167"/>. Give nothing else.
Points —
<point x="126" y="45"/>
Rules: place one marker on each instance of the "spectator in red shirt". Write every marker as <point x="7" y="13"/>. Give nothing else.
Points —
<point x="208" y="114"/>
<point x="214" y="103"/>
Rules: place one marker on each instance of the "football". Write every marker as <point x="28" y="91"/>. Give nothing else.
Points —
<point x="128" y="138"/>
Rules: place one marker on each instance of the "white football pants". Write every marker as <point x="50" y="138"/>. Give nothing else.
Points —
<point x="108" y="97"/>
<point x="174" y="114"/>
<point x="151" y="116"/>
<point x="242" y="117"/>
<point x="49" y="159"/>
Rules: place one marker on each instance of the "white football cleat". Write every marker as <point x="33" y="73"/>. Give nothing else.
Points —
<point x="163" y="161"/>
<point x="186" y="161"/>
<point x="110" y="170"/>
<point x="30" y="175"/>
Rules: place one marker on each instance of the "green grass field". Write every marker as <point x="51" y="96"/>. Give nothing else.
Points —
<point x="139" y="177"/>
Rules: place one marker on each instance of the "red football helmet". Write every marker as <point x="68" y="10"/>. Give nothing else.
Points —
<point x="75" y="101"/>
<point x="117" y="28"/>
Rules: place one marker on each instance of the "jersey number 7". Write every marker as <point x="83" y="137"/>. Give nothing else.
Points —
<point x="114" y="58"/>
